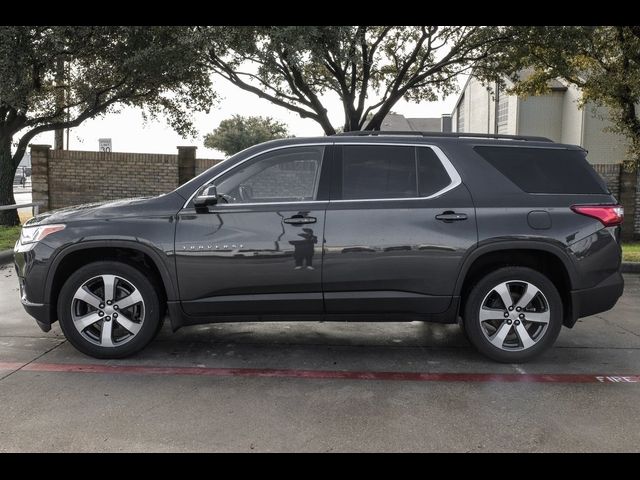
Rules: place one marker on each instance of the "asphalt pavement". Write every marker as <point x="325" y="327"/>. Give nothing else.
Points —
<point x="322" y="387"/>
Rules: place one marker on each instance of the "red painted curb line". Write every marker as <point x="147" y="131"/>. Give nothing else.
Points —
<point x="323" y="374"/>
<point x="10" y="365"/>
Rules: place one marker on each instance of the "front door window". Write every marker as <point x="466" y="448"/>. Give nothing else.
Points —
<point x="286" y="175"/>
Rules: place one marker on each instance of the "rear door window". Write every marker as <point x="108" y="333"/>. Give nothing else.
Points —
<point x="545" y="170"/>
<point x="389" y="171"/>
<point x="372" y="171"/>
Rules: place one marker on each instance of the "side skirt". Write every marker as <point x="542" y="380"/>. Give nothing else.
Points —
<point x="180" y="319"/>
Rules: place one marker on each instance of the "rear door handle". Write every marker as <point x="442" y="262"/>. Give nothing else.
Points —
<point x="299" y="220"/>
<point x="450" y="216"/>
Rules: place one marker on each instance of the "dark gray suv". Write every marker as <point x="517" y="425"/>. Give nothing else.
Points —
<point x="513" y="237"/>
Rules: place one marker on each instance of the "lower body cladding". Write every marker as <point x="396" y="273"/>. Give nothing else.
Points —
<point x="584" y="302"/>
<point x="600" y="298"/>
<point x="179" y="318"/>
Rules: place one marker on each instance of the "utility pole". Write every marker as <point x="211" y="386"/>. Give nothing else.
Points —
<point x="67" y="98"/>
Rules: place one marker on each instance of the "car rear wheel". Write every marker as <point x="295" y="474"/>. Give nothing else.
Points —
<point x="513" y="314"/>
<point x="109" y="309"/>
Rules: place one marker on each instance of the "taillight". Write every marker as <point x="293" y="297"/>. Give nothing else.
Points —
<point x="609" y="215"/>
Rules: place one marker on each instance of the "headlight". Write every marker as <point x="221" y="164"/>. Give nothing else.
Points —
<point x="37" y="233"/>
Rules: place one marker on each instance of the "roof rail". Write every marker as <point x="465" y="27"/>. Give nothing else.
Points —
<point x="364" y="133"/>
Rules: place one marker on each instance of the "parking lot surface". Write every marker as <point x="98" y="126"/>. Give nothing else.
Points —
<point x="324" y="387"/>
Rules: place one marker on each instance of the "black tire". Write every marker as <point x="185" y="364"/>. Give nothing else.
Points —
<point x="152" y="311"/>
<point x="472" y="324"/>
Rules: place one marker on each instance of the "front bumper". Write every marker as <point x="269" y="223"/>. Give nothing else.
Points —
<point x="31" y="268"/>
<point x="41" y="312"/>
<point x="600" y="298"/>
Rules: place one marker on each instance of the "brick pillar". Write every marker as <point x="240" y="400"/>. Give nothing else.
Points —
<point x="186" y="164"/>
<point x="40" y="175"/>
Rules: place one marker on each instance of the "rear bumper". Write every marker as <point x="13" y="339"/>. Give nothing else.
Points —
<point x="600" y="298"/>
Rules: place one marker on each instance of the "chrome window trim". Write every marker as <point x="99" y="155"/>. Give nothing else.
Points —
<point x="456" y="180"/>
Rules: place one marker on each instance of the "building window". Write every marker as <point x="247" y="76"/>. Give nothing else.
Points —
<point x="503" y="112"/>
<point x="460" y="116"/>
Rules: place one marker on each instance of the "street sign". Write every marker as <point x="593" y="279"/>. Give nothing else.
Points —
<point x="104" y="144"/>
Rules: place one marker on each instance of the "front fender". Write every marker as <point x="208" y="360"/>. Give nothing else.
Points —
<point x="153" y="252"/>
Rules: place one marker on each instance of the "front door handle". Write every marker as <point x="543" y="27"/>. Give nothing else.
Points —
<point x="299" y="220"/>
<point x="450" y="216"/>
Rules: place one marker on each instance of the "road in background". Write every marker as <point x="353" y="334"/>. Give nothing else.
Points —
<point x="23" y="195"/>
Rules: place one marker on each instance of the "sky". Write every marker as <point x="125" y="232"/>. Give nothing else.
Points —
<point x="129" y="132"/>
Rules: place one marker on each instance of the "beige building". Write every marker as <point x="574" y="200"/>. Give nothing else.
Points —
<point x="556" y="115"/>
<point x="397" y="122"/>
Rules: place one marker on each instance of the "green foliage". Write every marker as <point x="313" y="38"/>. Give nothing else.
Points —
<point x="8" y="237"/>
<point x="369" y="68"/>
<point x="54" y="77"/>
<point x="631" y="252"/>
<point x="237" y="133"/>
<point x="603" y="61"/>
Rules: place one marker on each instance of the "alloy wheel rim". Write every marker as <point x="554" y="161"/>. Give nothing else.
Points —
<point x="108" y="310"/>
<point x="514" y="315"/>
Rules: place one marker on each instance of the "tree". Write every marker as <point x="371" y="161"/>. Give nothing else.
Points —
<point x="369" y="68"/>
<point x="238" y="133"/>
<point x="603" y="61"/>
<point x="157" y="68"/>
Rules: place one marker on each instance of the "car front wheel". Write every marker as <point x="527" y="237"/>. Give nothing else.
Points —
<point x="109" y="309"/>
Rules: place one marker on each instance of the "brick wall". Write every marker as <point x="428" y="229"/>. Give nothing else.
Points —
<point x="625" y="186"/>
<point x="77" y="177"/>
<point x="610" y="173"/>
<point x="68" y="177"/>
<point x="203" y="164"/>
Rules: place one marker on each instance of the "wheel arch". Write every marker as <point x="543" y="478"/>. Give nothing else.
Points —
<point x="547" y="258"/>
<point x="122" y="250"/>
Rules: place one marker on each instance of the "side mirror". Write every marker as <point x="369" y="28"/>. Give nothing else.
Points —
<point x="208" y="196"/>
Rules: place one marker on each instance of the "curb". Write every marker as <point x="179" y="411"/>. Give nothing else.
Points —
<point x="630" y="267"/>
<point x="6" y="256"/>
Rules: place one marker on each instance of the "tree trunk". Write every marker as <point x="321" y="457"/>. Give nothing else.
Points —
<point x="376" y="121"/>
<point x="8" y="218"/>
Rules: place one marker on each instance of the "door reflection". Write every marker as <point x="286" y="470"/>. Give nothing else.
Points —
<point x="303" y="249"/>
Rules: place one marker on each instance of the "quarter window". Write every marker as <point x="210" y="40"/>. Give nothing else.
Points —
<point x="432" y="177"/>
<point x="544" y="170"/>
<point x="285" y="175"/>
